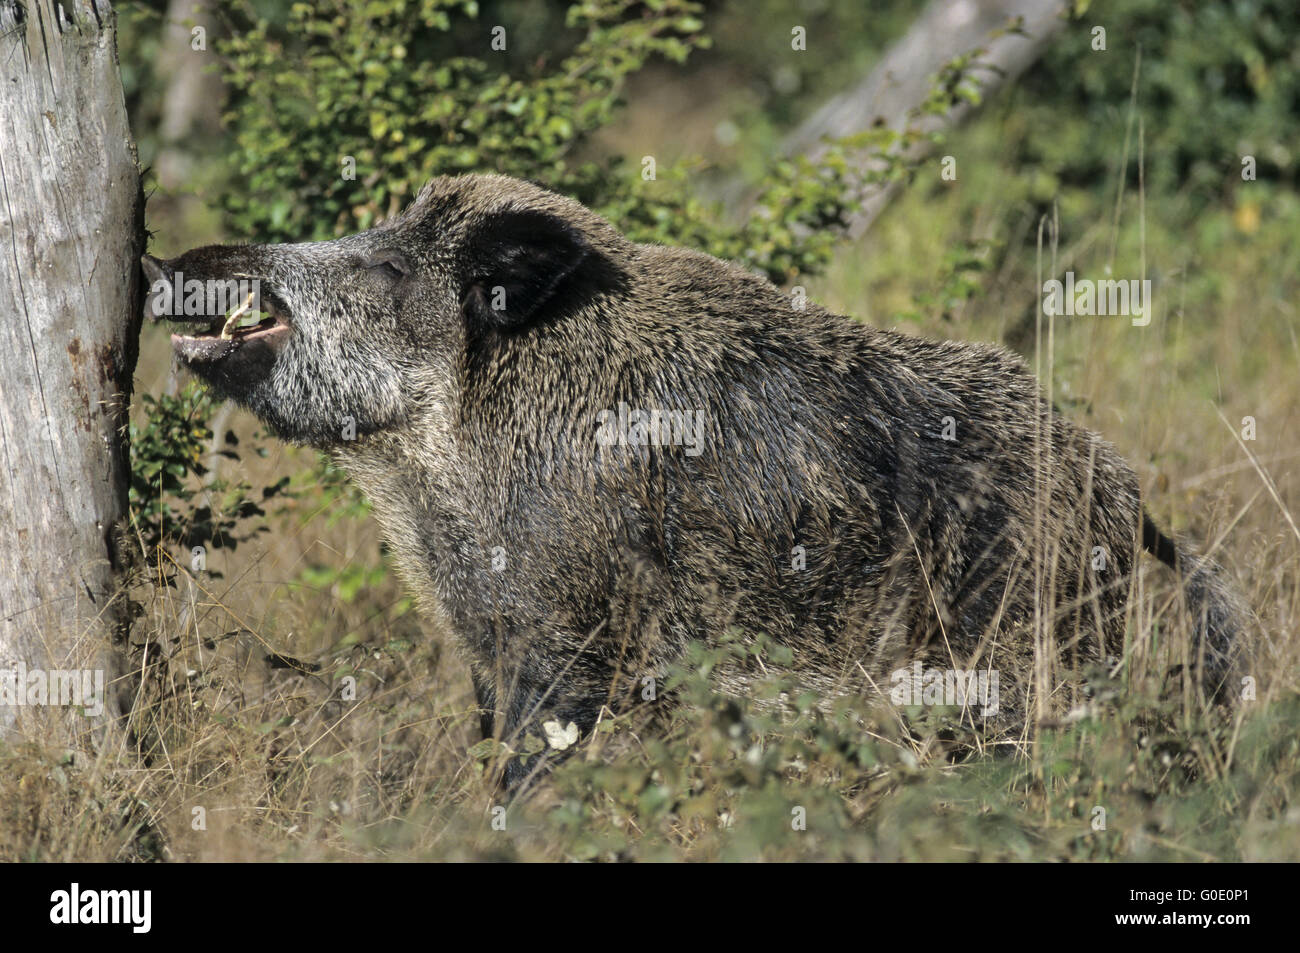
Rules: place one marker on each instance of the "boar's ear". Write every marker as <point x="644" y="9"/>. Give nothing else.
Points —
<point x="523" y="265"/>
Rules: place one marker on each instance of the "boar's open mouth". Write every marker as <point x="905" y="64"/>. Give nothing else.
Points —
<point x="264" y="321"/>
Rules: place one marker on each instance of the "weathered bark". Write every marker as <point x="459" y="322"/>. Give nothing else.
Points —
<point x="71" y="236"/>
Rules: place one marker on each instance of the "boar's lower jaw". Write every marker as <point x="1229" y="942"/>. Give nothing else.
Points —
<point x="207" y="349"/>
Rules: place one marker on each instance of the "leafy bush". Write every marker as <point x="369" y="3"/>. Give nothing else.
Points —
<point x="172" y="500"/>
<point x="388" y="84"/>
<point x="1217" y="81"/>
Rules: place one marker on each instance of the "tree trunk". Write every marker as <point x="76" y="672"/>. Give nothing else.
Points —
<point x="71" y="239"/>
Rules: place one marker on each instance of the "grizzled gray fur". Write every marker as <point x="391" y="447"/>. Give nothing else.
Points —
<point x="483" y="365"/>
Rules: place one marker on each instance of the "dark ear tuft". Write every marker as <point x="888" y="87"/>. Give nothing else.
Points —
<point x="521" y="265"/>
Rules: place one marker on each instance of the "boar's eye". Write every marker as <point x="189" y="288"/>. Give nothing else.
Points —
<point x="389" y="264"/>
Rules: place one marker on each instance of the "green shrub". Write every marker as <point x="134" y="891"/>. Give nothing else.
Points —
<point x="173" y="501"/>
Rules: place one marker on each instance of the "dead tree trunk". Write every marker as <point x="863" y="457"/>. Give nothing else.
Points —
<point x="900" y="81"/>
<point x="71" y="235"/>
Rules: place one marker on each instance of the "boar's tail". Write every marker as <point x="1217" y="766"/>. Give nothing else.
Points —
<point x="1219" y="614"/>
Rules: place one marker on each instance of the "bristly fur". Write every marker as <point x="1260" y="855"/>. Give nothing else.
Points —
<point x="864" y="497"/>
